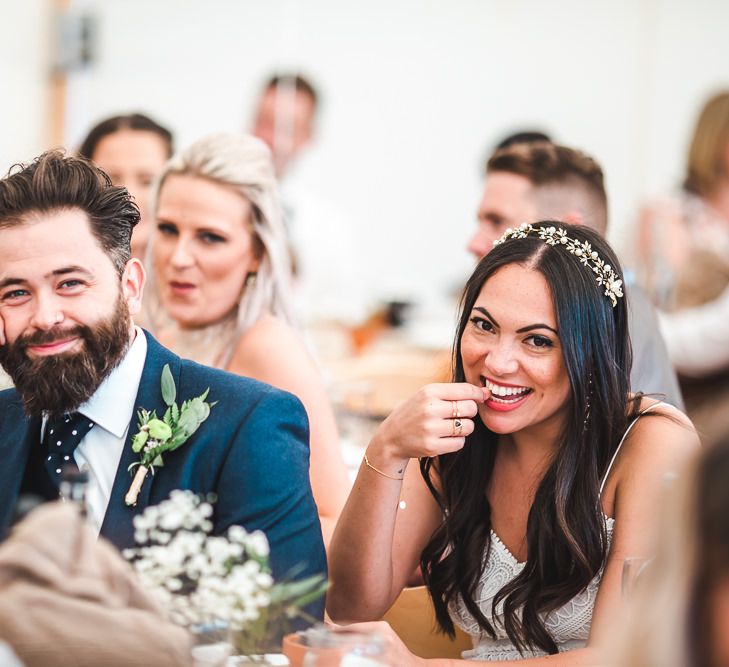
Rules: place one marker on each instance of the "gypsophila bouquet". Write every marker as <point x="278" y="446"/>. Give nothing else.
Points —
<point x="204" y="579"/>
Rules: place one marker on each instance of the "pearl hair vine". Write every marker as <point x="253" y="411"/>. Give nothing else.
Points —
<point x="605" y="276"/>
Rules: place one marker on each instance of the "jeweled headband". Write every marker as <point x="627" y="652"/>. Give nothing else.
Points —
<point x="604" y="274"/>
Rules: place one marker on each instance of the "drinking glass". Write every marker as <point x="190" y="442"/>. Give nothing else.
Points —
<point x="329" y="647"/>
<point x="211" y="645"/>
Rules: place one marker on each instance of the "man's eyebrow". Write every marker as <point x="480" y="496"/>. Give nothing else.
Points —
<point x="6" y="282"/>
<point x="531" y="327"/>
<point x="69" y="269"/>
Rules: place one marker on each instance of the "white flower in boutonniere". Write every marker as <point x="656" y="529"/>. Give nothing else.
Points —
<point x="157" y="436"/>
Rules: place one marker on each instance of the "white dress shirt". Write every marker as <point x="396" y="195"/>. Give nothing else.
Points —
<point x="696" y="337"/>
<point x="111" y="408"/>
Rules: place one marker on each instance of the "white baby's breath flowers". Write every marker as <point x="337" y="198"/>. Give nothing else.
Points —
<point x="196" y="576"/>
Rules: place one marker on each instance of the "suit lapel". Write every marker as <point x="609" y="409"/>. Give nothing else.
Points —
<point x="19" y="435"/>
<point x="118" y="522"/>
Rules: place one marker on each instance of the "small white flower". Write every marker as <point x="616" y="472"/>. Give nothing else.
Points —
<point x="258" y="544"/>
<point x="174" y="584"/>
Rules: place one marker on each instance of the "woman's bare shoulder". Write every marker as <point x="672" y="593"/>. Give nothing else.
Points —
<point x="655" y="406"/>
<point x="268" y="348"/>
<point x="662" y="436"/>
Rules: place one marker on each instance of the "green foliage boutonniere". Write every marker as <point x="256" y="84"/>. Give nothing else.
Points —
<point x="157" y="436"/>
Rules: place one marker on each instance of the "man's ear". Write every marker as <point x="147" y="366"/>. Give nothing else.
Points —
<point x="573" y="217"/>
<point x="132" y="283"/>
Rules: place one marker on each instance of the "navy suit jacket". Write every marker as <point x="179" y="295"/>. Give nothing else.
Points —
<point x="252" y="452"/>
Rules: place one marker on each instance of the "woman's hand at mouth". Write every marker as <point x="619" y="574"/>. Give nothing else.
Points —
<point x="436" y="420"/>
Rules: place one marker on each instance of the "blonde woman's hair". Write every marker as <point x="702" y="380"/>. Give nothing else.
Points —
<point x="668" y="620"/>
<point x="243" y="163"/>
<point x="708" y="144"/>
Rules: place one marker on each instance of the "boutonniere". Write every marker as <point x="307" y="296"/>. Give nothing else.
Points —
<point x="157" y="436"/>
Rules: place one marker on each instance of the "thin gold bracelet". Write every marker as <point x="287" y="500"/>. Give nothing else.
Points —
<point x="379" y="472"/>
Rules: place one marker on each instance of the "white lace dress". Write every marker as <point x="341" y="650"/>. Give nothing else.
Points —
<point x="569" y="625"/>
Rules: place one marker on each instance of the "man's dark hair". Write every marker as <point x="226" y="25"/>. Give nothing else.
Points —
<point x="522" y="137"/>
<point x="54" y="182"/>
<point x="560" y="173"/>
<point x="133" y="121"/>
<point x="299" y="83"/>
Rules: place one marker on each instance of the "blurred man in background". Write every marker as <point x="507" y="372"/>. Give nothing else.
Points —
<point x="323" y="240"/>
<point x="285" y="116"/>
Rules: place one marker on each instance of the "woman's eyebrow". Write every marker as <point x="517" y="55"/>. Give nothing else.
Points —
<point x="483" y="311"/>
<point x="531" y="327"/>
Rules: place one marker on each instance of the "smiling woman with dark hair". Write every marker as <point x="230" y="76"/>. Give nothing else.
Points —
<point x="538" y="472"/>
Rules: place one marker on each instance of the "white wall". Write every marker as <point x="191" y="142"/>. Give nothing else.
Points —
<point x="415" y="93"/>
<point x="24" y="56"/>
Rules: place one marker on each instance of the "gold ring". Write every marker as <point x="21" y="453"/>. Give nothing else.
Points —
<point x="457" y="427"/>
<point x="456" y="410"/>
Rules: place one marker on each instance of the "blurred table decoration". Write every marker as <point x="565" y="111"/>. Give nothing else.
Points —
<point x="218" y="587"/>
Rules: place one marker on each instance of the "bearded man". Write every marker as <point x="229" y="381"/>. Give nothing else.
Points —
<point x="82" y="370"/>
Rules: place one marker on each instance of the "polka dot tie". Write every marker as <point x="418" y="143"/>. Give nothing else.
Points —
<point x="61" y="438"/>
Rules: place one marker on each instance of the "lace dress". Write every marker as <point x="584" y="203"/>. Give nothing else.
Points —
<point x="569" y="625"/>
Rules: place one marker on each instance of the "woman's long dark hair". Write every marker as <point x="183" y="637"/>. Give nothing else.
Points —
<point x="566" y="536"/>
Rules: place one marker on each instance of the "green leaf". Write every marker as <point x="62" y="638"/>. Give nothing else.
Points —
<point x="175" y="413"/>
<point x="143" y="416"/>
<point x="139" y="441"/>
<point x="167" y="419"/>
<point x="292" y="590"/>
<point x="158" y="461"/>
<point x="169" y="392"/>
<point x="310" y="597"/>
<point x="199" y="409"/>
<point x="177" y="440"/>
<point x="188" y="421"/>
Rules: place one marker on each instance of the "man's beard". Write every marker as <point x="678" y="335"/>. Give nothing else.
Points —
<point x="60" y="383"/>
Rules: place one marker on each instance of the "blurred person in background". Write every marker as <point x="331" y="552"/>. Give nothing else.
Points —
<point x="522" y="137"/>
<point x="322" y="239"/>
<point x="683" y="259"/>
<point x="536" y="180"/>
<point x="67" y="598"/>
<point x="132" y="149"/>
<point x="284" y="118"/>
<point x="219" y="287"/>
<point x="679" y="614"/>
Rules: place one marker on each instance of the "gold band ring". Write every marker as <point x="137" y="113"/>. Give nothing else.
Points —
<point x="456" y="410"/>
<point x="457" y="427"/>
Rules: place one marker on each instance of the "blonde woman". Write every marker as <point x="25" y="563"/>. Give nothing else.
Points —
<point x="680" y="615"/>
<point x="683" y="259"/>
<point x="674" y="232"/>
<point x="219" y="287"/>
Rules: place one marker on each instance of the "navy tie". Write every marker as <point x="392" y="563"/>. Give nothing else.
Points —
<point x="61" y="438"/>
